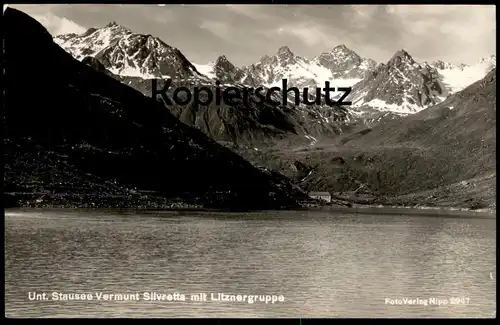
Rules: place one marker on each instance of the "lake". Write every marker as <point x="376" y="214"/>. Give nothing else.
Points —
<point x="281" y="263"/>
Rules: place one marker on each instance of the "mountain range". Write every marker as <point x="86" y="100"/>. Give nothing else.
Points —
<point x="135" y="59"/>
<point x="401" y="85"/>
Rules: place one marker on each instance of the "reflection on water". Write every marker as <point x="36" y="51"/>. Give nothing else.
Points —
<point x="323" y="264"/>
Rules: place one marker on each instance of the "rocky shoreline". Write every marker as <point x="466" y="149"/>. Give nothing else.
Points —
<point x="94" y="201"/>
<point x="151" y="202"/>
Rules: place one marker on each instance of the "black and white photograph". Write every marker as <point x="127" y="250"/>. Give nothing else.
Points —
<point x="249" y="161"/>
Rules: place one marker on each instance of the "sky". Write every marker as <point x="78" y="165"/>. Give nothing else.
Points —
<point x="244" y="33"/>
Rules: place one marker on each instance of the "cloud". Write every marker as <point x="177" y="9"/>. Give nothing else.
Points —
<point x="309" y="33"/>
<point x="57" y="25"/>
<point x="447" y="19"/>
<point x="217" y="28"/>
<point x="253" y="12"/>
<point x="460" y="33"/>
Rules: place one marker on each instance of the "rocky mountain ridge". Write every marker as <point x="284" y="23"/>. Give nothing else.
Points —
<point x="149" y="58"/>
<point x="400" y="87"/>
<point x="340" y="66"/>
<point x="403" y="85"/>
<point x="123" y="52"/>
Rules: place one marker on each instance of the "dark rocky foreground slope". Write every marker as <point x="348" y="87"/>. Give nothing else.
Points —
<point x="442" y="156"/>
<point x="77" y="137"/>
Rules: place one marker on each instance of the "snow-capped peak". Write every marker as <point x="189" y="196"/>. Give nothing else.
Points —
<point x="126" y="53"/>
<point x="401" y="86"/>
<point x="343" y="51"/>
<point x="284" y="57"/>
<point x="401" y="57"/>
<point x="117" y="28"/>
<point x="456" y="77"/>
<point x="341" y="66"/>
<point x="345" y="64"/>
<point x="92" y="41"/>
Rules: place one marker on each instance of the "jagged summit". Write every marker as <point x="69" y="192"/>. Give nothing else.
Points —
<point x="284" y="51"/>
<point x="403" y="60"/>
<point x="401" y="52"/>
<point x="222" y="59"/>
<point x="344" y="63"/>
<point x="223" y="65"/>
<point x="114" y="24"/>
<point x="401" y="55"/>
<point x="342" y="48"/>
<point x="339" y="56"/>
<point x="400" y="86"/>
<point x="117" y="28"/>
<point x="227" y="72"/>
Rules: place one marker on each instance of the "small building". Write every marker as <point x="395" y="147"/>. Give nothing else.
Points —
<point x="325" y="196"/>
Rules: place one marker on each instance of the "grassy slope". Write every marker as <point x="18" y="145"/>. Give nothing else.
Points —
<point x="438" y="157"/>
